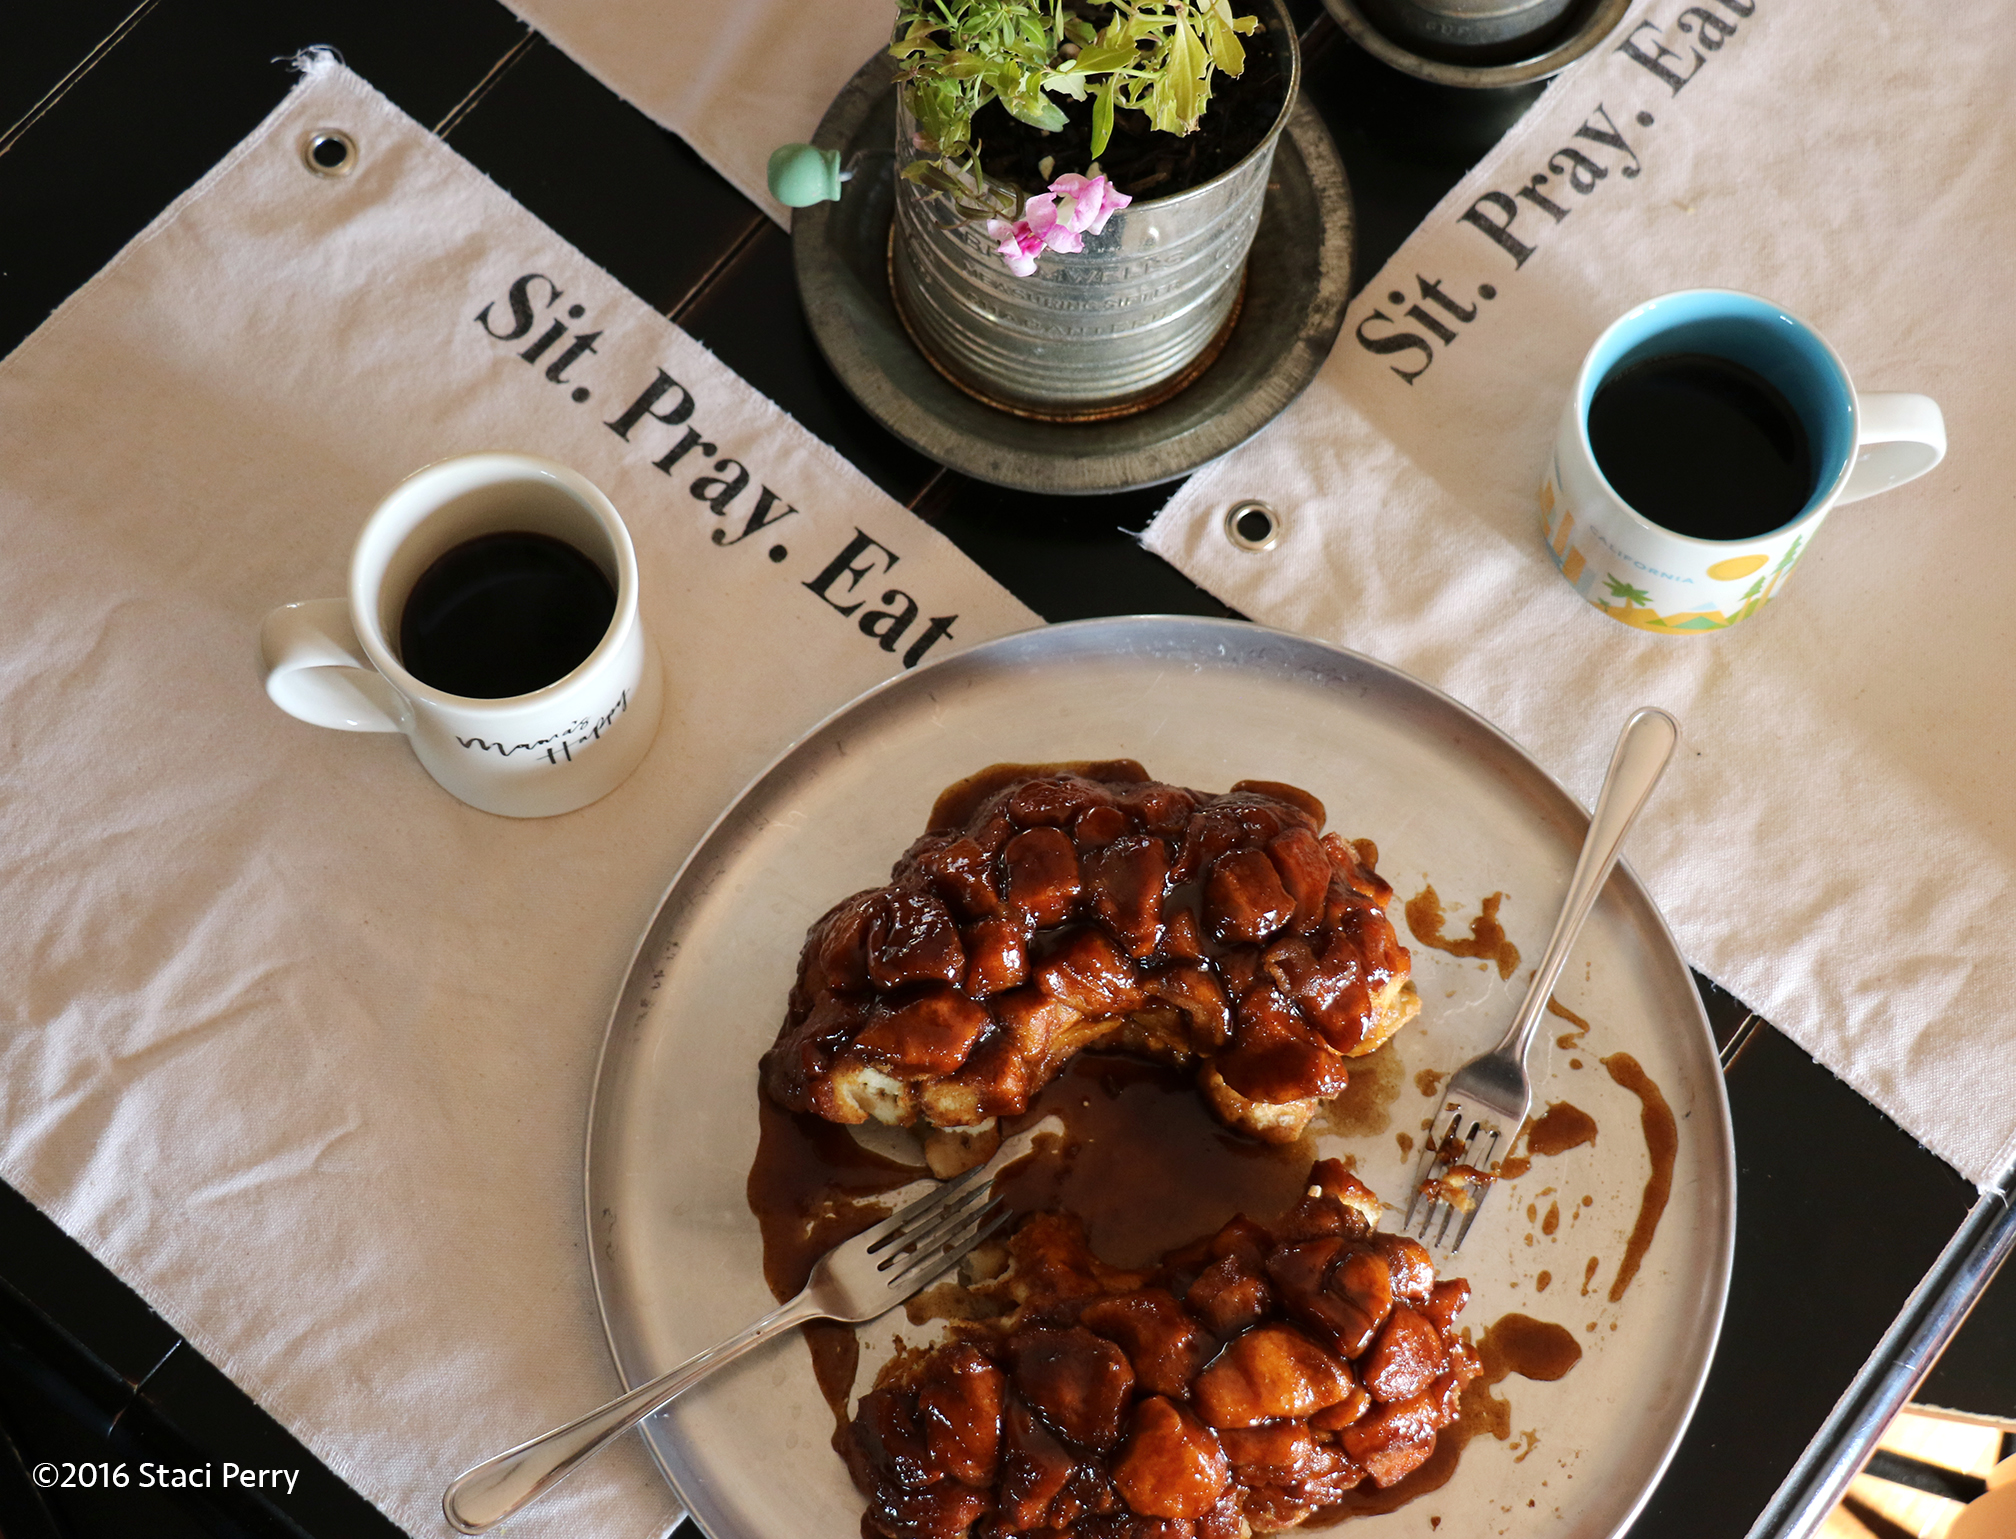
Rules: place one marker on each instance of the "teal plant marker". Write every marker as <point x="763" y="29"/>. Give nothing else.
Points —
<point x="801" y="175"/>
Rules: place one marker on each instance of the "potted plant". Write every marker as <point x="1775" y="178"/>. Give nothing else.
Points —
<point x="1079" y="183"/>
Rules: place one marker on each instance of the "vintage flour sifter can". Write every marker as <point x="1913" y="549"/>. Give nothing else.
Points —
<point x="1114" y="329"/>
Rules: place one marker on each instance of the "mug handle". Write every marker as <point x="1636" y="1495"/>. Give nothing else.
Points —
<point x="1902" y="437"/>
<point x="317" y="670"/>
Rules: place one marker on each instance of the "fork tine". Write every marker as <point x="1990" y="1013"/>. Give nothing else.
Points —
<point x="981" y="1227"/>
<point x="1421" y="1173"/>
<point x="989" y="1229"/>
<point x="1013" y="1148"/>
<point x="951" y="1191"/>
<point x="953" y="1250"/>
<point x="1448" y="1211"/>
<point x="1479" y="1190"/>
<point x="1424" y="1173"/>
<point x="1436" y="1158"/>
<point x="1455" y="1147"/>
<point x="905" y="1247"/>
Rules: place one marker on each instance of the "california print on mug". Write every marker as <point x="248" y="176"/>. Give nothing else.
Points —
<point x="1709" y="435"/>
<point x="492" y="618"/>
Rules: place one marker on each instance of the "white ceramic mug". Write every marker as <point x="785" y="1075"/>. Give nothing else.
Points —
<point x="1648" y="576"/>
<point x="333" y="662"/>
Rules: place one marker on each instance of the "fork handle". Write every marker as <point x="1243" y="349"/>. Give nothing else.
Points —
<point x="487" y="1494"/>
<point x="1643" y="749"/>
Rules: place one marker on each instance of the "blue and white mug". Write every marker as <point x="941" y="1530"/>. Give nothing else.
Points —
<point x="1639" y="572"/>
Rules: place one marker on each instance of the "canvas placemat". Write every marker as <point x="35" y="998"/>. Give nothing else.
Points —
<point x="295" y="1043"/>
<point x="733" y="78"/>
<point x="1835" y="842"/>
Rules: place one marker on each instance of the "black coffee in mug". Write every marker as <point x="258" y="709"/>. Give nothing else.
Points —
<point x="503" y="615"/>
<point x="1702" y="445"/>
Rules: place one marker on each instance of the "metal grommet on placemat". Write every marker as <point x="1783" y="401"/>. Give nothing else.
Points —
<point x="329" y="152"/>
<point x="1252" y="525"/>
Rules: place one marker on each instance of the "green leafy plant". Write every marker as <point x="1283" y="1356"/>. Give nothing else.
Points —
<point x="1155" y="56"/>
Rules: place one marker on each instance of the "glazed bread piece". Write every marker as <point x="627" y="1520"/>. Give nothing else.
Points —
<point x="1051" y="909"/>
<point x="1241" y="1385"/>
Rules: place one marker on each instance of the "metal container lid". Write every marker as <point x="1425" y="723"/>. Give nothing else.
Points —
<point x="1445" y="41"/>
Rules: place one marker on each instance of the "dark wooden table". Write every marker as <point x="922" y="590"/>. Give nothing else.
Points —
<point x="116" y="108"/>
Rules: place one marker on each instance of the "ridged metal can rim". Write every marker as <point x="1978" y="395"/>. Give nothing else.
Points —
<point x="1602" y="18"/>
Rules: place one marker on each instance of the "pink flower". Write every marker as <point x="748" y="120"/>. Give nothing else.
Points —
<point x="1020" y="245"/>
<point x="1089" y="201"/>
<point x="1059" y="234"/>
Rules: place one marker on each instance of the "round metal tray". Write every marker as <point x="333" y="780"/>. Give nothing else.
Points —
<point x="1588" y="23"/>
<point x="672" y="1130"/>
<point x="1297" y="281"/>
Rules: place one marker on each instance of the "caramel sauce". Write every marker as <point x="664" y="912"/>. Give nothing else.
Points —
<point x="960" y="800"/>
<point x="836" y="1359"/>
<point x="1567" y="1038"/>
<point x="1134" y="1133"/>
<point x="1425" y="918"/>
<point x="1589" y="1274"/>
<point x="1540" y="1283"/>
<point x="1428" y="1081"/>
<point x="1533" y="1349"/>
<point x="811" y="1187"/>
<point x="1662" y="1144"/>
<point x="1515" y="1343"/>
<point x="1563" y="1126"/>
<point x="1560" y="1128"/>
<point x="1364" y="1108"/>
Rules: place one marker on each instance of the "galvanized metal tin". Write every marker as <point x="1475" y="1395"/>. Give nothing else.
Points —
<point x="1507" y="26"/>
<point x="1298" y="277"/>
<point x="1098" y="333"/>
<point x="1473" y="63"/>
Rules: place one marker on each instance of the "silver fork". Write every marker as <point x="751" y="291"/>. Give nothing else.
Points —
<point x="858" y="1280"/>
<point x="1487" y="1099"/>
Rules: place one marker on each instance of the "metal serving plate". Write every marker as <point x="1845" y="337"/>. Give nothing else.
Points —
<point x="676" y="1253"/>
<point x="1297" y="281"/>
